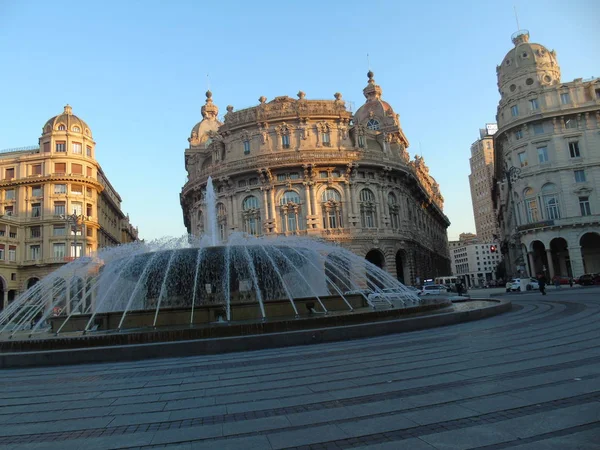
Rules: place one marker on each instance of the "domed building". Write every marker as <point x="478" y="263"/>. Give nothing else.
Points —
<point x="311" y="167"/>
<point x="547" y="165"/>
<point x="56" y="205"/>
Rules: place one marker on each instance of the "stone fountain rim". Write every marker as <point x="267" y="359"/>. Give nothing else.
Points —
<point x="208" y="346"/>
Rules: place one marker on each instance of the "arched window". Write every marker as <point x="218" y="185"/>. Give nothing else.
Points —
<point x="290" y="212"/>
<point x="373" y="124"/>
<point x="394" y="211"/>
<point x="332" y="209"/>
<point x="531" y="205"/>
<point x="368" y="216"/>
<point x="550" y="200"/>
<point x="61" y="127"/>
<point x="251" y="215"/>
<point x="222" y="220"/>
<point x="76" y="129"/>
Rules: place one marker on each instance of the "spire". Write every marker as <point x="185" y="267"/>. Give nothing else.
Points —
<point x="209" y="110"/>
<point x="372" y="91"/>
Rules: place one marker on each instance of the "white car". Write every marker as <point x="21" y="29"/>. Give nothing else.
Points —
<point x="434" y="289"/>
<point x="389" y="294"/>
<point x="514" y="285"/>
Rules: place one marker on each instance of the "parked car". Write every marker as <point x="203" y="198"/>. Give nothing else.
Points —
<point x="588" y="279"/>
<point x="434" y="289"/>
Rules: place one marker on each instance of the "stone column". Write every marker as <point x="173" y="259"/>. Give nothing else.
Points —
<point x="273" y="218"/>
<point x="550" y="263"/>
<point x="313" y="196"/>
<point x="576" y="261"/>
<point x="266" y="204"/>
<point x="232" y="211"/>
<point x="308" y="199"/>
<point x="531" y="264"/>
<point x="348" y="203"/>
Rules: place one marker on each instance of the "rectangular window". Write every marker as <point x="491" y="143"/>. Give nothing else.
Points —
<point x="46" y="147"/>
<point x="285" y="141"/>
<point x="246" y="147"/>
<point x="76" y="189"/>
<point x="10" y="173"/>
<point x="59" y="250"/>
<point x="9" y="210"/>
<point x="59" y="230"/>
<point x="281" y="176"/>
<point x="36" y="210"/>
<point x="34" y="252"/>
<point x="75" y="250"/>
<point x="59" y="208"/>
<point x="361" y="141"/>
<point x="242" y="183"/>
<point x="77" y="169"/>
<point x="294" y="176"/>
<point x="584" y="206"/>
<point x="323" y="174"/>
<point x="88" y="171"/>
<point x="12" y="253"/>
<point x="519" y="134"/>
<point x="61" y="146"/>
<point x="253" y="181"/>
<point x="538" y="128"/>
<point x="565" y="98"/>
<point x="2" y="252"/>
<point x="574" y="149"/>
<point x="10" y="194"/>
<point x="37" y="191"/>
<point x="36" y="232"/>
<point x="542" y="154"/>
<point x="335" y="174"/>
<point x="88" y="192"/>
<point x="523" y="159"/>
<point x="77" y="148"/>
<point x="571" y="123"/>
<point x="12" y="233"/>
<point x="76" y="207"/>
<point x="88" y="209"/>
<point x="580" y="176"/>
<point x="514" y="110"/>
<point x="370" y="175"/>
<point x="60" y="188"/>
<point x="60" y="167"/>
<point x="36" y="169"/>
<point x="533" y="104"/>
<point x="89" y="232"/>
<point x="88" y="151"/>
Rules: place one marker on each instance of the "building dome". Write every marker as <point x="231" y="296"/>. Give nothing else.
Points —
<point x="209" y="122"/>
<point x="375" y="110"/>
<point x="527" y="66"/>
<point x="67" y="121"/>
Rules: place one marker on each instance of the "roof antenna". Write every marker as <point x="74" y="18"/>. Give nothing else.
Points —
<point x="516" y="17"/>
<point x="368" y="62"/>
<point x="207" y="82"/>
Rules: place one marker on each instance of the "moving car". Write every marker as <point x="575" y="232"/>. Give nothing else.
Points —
<point x="514" y="285"/>
<point x="434" y="289"/>
<point x="389" y="294"/>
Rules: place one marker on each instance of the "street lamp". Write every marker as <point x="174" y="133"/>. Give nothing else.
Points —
<point x="73" y="222"/>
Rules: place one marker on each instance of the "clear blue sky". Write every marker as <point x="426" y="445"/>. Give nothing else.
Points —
<point x="135" y="71"/>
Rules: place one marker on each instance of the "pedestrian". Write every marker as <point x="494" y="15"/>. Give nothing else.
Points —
<point x="542" y="283"/>
<point x="556" y="281"/>
<point x="570" y="281"/>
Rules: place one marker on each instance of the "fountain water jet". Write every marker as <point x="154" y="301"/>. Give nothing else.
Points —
<point x="153" y="284"/>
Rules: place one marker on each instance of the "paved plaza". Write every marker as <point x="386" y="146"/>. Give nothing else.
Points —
<point x="527" y="379"/>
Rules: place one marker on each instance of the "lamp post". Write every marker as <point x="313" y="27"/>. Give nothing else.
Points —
<point x="73" y="222"/>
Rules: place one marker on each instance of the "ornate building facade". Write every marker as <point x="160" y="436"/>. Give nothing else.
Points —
<point x="40" y="187"/>
<point x="311" y="167"/>
<point x="547" y="165"/>
<point x="481" y="181"/>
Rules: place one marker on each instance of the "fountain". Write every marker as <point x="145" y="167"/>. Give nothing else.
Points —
<point x="198" y="281"/>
